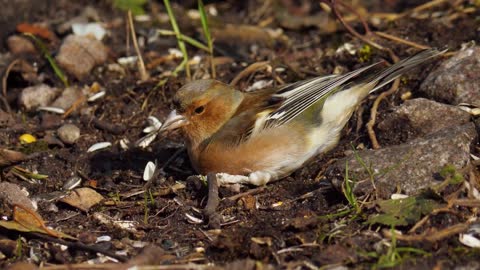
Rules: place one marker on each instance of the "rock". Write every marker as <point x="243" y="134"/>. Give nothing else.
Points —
<point x="20" y="45"/>
<point x="411" y="166"/>
<point x="38" y="95"/>
<point x="79" y="54"/>
<point x="418" y="117"/>
<point x="456" y="80"/>
<point x="14" y="195"/>
<point x="68" y="133"/>
<point x="8" y="246"/>
<point x="68" y="97"/>
<point x="50" y="120"/>
<point x="6" y="119"/>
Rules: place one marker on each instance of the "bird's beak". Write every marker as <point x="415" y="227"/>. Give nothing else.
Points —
<point x="174" y="121"/>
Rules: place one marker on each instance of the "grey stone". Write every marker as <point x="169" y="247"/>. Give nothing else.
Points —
<point x="68" y="97"/>
<point x="68" y="133"/>
<point x="14" y="195"/>
<point x="456" y="80"/>
<point x="410" y="167"/>
<point x="20" y="45"/>
<point x="418" y="117"/>
<point x="79" y="54"/>
<point x="36" y="96"/>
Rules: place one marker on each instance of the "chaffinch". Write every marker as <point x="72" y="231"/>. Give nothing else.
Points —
<point x="258" y="137"/>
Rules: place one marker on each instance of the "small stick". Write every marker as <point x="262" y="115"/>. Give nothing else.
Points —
<point x="4" y="84"/>
<point x="401" y="40"/>
<point x="373" y="113"/>
<point x="431" y="236"/>
<point x="246" y="193"/>
<point x="249" y="70"/>
<point x="141" y="65"/>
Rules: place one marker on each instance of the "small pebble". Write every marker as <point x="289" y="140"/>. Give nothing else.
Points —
<point x="68" y="133"/>
<point x="68" y="97"/>
<point x="79" y="54"/>
<point x="20" y="45"/>
<point x="35" y="96"/>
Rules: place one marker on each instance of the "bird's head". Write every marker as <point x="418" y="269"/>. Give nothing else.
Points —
<point x="201" y="108"/>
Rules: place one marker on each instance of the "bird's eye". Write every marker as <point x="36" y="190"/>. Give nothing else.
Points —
<point x="199" y="109"/>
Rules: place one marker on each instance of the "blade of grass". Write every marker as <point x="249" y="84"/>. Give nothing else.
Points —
<point x="185" y="38"/>
<point x="181" y="43"/>
<point x="51" y="61"/>
<point x="206" y="32"/>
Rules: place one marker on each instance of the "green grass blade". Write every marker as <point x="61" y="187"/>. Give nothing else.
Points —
<point x="206" y="30"/>
<point x="185" y="38"/>
<point x="49" y="58"/>
<point x="181" y="43"/>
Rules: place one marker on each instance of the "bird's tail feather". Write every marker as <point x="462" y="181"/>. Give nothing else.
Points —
<point x="389" y="74"/>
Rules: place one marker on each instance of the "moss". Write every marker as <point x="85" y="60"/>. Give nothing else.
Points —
<point x="365" y="53"/>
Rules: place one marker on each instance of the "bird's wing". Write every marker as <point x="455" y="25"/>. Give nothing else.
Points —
<point x="240" y="126"/>
<point x="300" y="96"/>
<point x="274" y="107"/>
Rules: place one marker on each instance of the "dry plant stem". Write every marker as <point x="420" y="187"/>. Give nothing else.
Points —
<point x="427" y="5"/>
<point x="401" y="40"/>
<point x="79" y="246"/>
<point x="4" y="84"/>
<point x="141" y="65"/>
<point x="364" y="38"/>
<point x="127" y="37"/>
<point x="5" y="104"/>
<point x="116" y="266"/>
<point x="249" y="70"/>
<point x="373" y="113"/>
<point x="430" y="236"/>
<point x="419" y="8"/>
<point x="422" y="221"/>
<point x="74" y="106"/>
<point x="212" y="65"/>
<point x="246" y="193"/>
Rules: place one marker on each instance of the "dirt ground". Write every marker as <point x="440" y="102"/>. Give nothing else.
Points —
<point x="300" y="222"/>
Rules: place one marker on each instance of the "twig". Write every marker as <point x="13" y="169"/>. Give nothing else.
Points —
<point x="246" y="193"/>
<point x="422" y="221"/>
<point x="426" y="6"/>
<point x="141" y="65"/>
<point x="79" y="245"/>
<point x="111" y="266"/>
<point x="74" y="106"/>
<point x="367" y="39"/>
<point x="249" y="70"/>
<point x="364" y="38"/>
<point x="373" y="113"/>
<point x="4" y="84"/>
<point x="109" y="127"/>
<point x="401" y="40"/>
<point x="430" y="236"/>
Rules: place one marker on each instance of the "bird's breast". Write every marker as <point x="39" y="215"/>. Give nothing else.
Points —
<point x="278" y="150"/>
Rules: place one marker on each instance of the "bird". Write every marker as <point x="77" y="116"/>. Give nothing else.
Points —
<point x="262" y="136"/>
